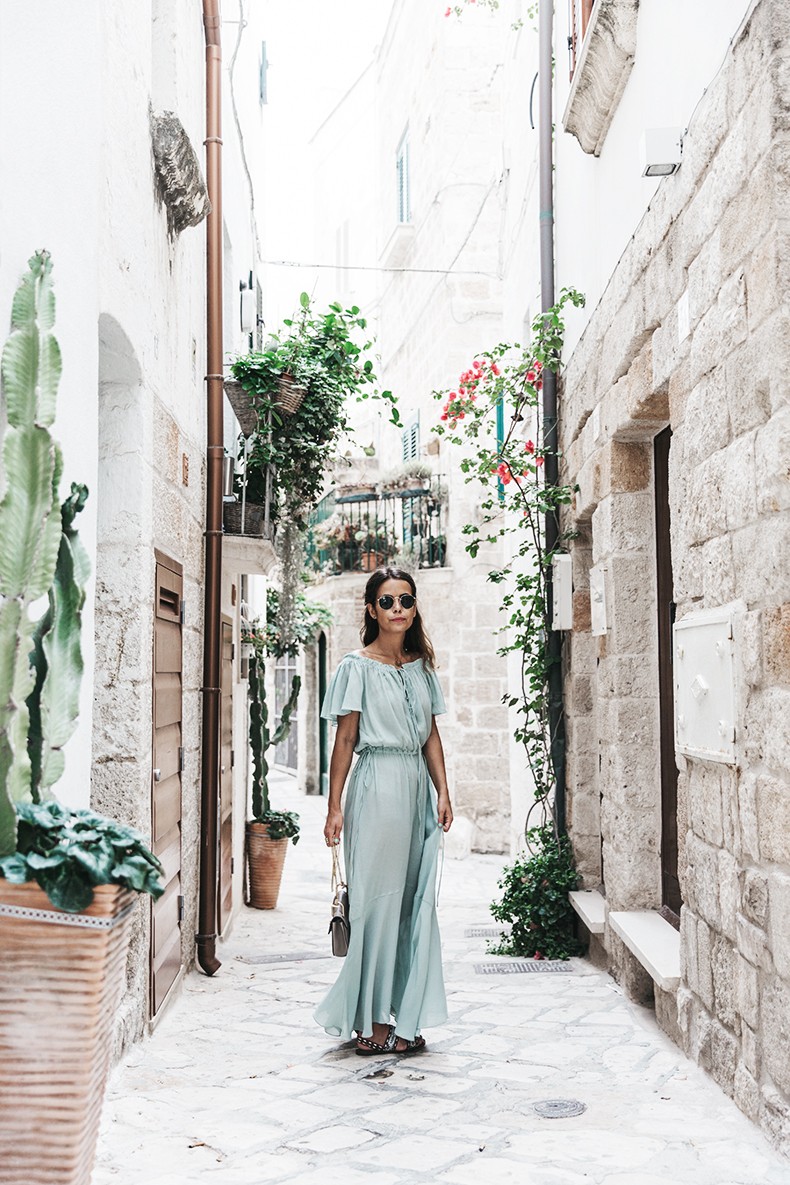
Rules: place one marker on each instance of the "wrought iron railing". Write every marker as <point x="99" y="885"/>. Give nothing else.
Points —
<point x="362" y="530"/>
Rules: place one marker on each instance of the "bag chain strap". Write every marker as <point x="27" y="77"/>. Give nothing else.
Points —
<point x="337" y="872"/>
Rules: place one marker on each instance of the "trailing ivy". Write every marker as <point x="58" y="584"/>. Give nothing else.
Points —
<point x="68" y="852"/>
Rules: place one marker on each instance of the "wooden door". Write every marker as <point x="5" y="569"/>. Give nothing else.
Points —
<point x="167" y="912"/>
<point x="225" y="860"/>
<point x="670" y="884"/>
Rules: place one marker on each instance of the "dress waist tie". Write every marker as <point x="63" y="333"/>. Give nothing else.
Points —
<point x="388" y="749"/>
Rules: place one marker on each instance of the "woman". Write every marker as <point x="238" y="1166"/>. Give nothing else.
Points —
<point x="385" y="698"/>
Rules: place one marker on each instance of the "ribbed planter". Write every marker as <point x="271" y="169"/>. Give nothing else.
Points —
<point x="265" y="860"/>
<point x="61" y="977"/>
<point x="289" y="393"/>
<point x="241" y="402"/>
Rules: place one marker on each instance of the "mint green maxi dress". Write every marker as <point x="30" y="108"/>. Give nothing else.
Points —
<point x="391" y="839"/>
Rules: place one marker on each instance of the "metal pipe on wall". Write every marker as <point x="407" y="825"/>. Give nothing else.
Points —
<point x="206" y="937"/>
<point x="550" y="435"/>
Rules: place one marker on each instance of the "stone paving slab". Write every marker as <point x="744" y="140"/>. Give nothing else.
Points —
<point x="239" y="1085"/>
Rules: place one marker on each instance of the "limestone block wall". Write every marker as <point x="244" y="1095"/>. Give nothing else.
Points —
<point x="711" y="251"/>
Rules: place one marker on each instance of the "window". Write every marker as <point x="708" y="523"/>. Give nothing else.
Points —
<point x="579" y="20"/>
<point x="403" y="180"/>
<point x="411" y="439"/>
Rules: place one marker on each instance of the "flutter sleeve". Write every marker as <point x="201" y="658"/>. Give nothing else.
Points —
<point x="345" y="690"/>
<point x="438" y="706"/>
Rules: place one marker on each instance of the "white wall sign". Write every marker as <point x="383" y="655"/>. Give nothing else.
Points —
<point x="598" y="620"/>
<point x="705" y="685"/>
<point x="561" y="592"/>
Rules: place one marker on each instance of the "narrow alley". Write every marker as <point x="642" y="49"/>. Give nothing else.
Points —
<point x="238" y="1084"/>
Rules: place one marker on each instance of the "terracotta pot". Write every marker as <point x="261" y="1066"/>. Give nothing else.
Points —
<point x="61" y="978"/>
<point x="266" y="858"/>
<point x="370" y="560"/>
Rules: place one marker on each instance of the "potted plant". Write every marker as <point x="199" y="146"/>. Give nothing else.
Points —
<point x="409" y="480"/>
<point x="67" y="877"/>
<point x="269" y="830"/>
<point x="295" y="452"/>
<point x="374" y="543"/>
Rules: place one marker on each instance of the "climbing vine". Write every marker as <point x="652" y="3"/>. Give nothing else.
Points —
<point x="494" y="416"/>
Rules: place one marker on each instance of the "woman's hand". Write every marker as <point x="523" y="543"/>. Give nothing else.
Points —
<point x="445" y="811"/>
<point x="333" y="827"/>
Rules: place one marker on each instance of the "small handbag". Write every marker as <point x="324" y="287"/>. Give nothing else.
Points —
<point x="339" y="923"/>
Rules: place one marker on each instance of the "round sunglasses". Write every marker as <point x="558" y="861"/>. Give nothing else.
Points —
<point x="405" y="601"/>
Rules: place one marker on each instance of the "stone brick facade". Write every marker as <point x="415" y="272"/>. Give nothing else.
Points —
<point x="712" y="248"/>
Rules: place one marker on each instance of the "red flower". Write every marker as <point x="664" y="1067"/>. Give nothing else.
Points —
<point x="529" y="447"/>
<point x="538" y="366"/>
<point x="447" y="13"/>
<point x="539" y="385"/>
<point x="538" y="955"/>
<point x="476" y="364"/>
<point x="494" y="368"/>
<point x="444" y="417"/>
<point x="531" y="376"/>
<point x="539" y="461"/>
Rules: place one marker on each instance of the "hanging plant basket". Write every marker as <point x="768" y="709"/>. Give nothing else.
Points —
<point x="290" y="393"/>
<point x="254" y="519"/>
<point x="266" y="858"/>
<point x="62" y="979"/>
<point x="243" y="407"/>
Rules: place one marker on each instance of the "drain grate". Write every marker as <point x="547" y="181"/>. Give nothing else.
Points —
<point x="295" y="956"/>
<point x="485" y="931"/>
<point x="559" y="1108"/>
<point x="521" y="967"/>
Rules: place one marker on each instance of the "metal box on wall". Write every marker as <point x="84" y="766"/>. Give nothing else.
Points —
<point x="704" y="676"/>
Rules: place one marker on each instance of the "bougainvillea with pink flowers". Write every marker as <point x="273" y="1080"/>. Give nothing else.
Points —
<point x="503" y="386"/>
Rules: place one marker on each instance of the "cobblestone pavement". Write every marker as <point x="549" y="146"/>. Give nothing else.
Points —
<point x="239" y="1085"/>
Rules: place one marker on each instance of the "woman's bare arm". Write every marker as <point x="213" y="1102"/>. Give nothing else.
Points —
<point x="342" y="753"/>
<point x="434" y="758"/>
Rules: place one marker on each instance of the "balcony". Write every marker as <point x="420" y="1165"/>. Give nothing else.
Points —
<point x="361" y="529"/>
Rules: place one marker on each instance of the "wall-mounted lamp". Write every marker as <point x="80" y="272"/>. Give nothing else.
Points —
<point x="661" y="151"/>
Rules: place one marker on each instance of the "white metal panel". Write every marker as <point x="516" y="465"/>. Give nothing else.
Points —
<point x="705" y="685"/>
<point x="562" y="592"/>
<point x="598" y="618"/>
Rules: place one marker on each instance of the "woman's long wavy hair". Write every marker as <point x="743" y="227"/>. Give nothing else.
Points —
<point x="415" y="641"/>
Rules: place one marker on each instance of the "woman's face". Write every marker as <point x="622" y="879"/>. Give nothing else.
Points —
<point x="396" y="619"/>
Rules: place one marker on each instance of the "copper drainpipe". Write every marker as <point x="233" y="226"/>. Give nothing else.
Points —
<point x="206" y="936"/>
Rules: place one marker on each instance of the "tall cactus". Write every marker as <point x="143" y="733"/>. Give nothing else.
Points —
<point x="40" y="662"/>
<point x="260" y="736"/>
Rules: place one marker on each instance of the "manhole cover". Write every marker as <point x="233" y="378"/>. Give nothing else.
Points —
<point x="520" y="968"/>
<point x="559" y="1108"/>
<point x="288" y="957"/>
<point x="484" y="932"/>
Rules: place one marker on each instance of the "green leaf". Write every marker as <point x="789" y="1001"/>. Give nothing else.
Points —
<point x="14" y="868"/>
<point x="304" y="300"/>
<point x="67" y="887"/>
<point x="29" y="518"/>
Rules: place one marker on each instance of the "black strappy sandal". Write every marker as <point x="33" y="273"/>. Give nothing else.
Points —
<point x="415" y="1046"/>
<point x="366" y="1047"/>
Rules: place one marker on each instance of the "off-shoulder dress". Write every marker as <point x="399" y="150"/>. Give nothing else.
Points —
<point x="391" y="839"/>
